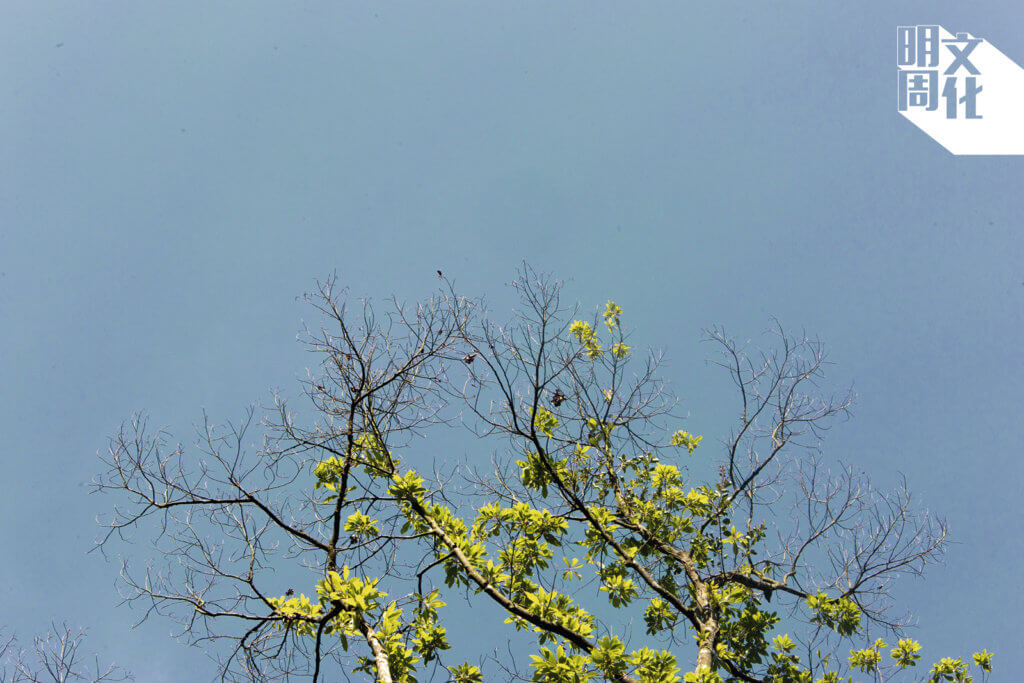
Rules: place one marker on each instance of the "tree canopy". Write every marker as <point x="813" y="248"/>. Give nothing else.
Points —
<point x="56" y="657"/>
<point x="588" y="505"/>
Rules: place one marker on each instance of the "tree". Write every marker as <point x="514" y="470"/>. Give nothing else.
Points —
<point x="597" y="508"/>
<point x="55" y="658"/>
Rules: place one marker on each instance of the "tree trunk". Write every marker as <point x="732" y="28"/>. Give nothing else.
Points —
<point x="709" y="629"/>
<point x="379" y="655"/>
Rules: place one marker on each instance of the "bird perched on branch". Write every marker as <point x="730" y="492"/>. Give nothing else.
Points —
<point x="559" y="398"/>
<point x="469" y="358"/>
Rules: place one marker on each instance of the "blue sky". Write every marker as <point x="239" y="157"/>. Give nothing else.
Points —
<point x="173" y="176"/>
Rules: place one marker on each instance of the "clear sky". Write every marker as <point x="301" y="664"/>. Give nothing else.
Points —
<point x="173" y="175"/>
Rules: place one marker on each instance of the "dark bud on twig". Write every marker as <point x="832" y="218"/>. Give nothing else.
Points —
<point x="440" y="274"/>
